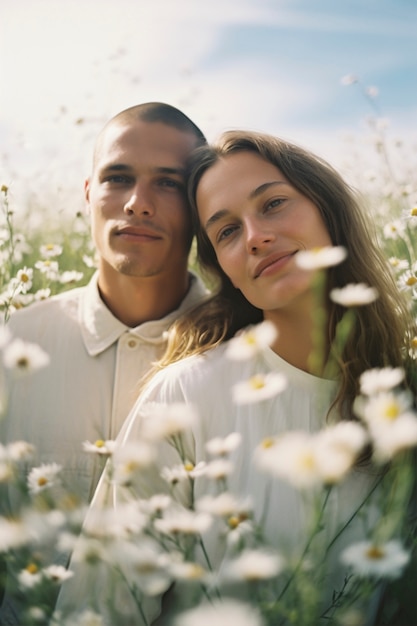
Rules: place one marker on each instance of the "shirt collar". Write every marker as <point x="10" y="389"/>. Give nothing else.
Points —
<point x="100" y="328"/>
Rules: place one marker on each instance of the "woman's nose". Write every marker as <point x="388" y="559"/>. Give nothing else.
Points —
<point x="257" y="238"/>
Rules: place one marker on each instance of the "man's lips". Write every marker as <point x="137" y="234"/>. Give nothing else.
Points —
<point x="274" y="262"/>
<point x="139" y="233"/>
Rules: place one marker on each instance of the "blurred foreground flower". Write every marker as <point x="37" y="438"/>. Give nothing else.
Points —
<point x="354" y="295"/>
<point x="249" y="342"/>
<point x="320" y="258"/>
<point x="259" y="387"/>
<point x="222" y="613"/>
<point x="368" y="559"/>
<point x="24" y="357"/>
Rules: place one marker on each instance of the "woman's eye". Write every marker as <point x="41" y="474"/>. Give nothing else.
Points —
<point x="273" y="204"/>
<point x="226" y="232"/>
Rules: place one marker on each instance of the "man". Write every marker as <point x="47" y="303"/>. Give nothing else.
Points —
<point x="102" y="338"/>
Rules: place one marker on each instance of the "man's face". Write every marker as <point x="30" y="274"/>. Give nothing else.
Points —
<point x="136" y="195"/>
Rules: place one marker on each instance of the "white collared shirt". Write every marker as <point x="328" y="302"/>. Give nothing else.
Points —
<point x="91" y="382"/>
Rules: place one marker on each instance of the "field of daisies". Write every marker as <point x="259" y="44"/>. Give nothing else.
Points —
<point x="35" y="265"/>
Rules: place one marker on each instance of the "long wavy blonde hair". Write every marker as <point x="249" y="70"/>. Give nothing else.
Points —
<point x="381" y="329"/>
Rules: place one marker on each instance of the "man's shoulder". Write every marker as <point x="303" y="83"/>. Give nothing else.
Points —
<point x="61" y="305"/>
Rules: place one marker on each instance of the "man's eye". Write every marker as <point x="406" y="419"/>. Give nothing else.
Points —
<point x="170" y="182"/>
<point x="117" y="179"/>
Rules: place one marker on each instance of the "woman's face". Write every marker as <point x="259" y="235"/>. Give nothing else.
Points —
<point x="257" y="222"/>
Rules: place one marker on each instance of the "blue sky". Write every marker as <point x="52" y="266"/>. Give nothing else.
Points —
<point x="270" y="65"/>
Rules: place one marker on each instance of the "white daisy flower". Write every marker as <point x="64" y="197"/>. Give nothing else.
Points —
<point x="384" y="408"/>
<point x="252" y="341"/>
<point x="50" y="250"/>
<point x="13" y="534"/>
<point x="411" y="217"/>
<point x="123" y="522"/>
<point x="24" y="279"/>
<point x="222" y="505"/>
<point x="394" y="229"/>
<point x="290" y="457"/>
<point x="166" y="420"/>
<point x="398" y="264"/>
<point x="100" y="447"/>
<point x="43" y="477"/>
<point x="254" y="565"/>
<point x="259" y="387"/>
<point x="219" y="469"/>
<point x="368" y="559"/>
<point x="130" y="459"/>
<point x="156" y="504"/>
<point x="336" y="450"/>
<point x="183" y="522"/>
<point x="50" y="269"/>
<point x="143" y="565"/>
<point x="20" y="450"/>
<point x="57" y="573"/>
<point x="24" y="357"/>
<point x="188" y="570"/>
<point x="42" y="294"/>
<point x="380" y="379"/>
<point x="70" y="276"/>
<point x="221" y="613"/>
<point x="175" y="474"/>
<point x="223" y="446"/>
<point x="354" y="295"/>
<point x="394" y="437"/>
<point x="320" y="258"/>
<point x="408" y="281"/>
<point x="29" y="577"/>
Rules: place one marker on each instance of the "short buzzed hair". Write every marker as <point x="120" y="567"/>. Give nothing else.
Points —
<point x="153" y="112"/>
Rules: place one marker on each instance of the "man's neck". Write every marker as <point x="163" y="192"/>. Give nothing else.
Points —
<point x="137" y="300"/>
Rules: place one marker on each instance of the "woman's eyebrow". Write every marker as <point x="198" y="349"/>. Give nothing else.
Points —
<point x="259" y="190"/>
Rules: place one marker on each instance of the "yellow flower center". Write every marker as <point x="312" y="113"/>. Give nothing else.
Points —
<point x="24" y="278"/>
<point x="32" y="568"/>
<point x="257" y="382"/>
<point x="250" y="339"/>
<point x="412" y="280"/>
<point x="42" y="481"/>
<point x="375" y="553"/>
<point x="100" y="443"/>
<point x="22" y="363"/>
<point x="267" y="443"/>
<point x="307" y="461"/>
<point x="233" y="521"/>
<point x="414" y="342"/>
<point x="414" y="211"/>
<point x="188" y="467"/>
<point x="392" y="411"/>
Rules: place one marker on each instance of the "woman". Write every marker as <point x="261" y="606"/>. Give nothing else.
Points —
<point x="258" y="204"/>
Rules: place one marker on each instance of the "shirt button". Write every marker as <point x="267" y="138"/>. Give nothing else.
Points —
<point x="132" y="343"/>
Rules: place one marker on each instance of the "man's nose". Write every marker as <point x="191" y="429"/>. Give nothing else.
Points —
<point x="139" y="202"/>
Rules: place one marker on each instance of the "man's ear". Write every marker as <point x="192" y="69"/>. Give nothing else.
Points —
<point x="87" y="195"/>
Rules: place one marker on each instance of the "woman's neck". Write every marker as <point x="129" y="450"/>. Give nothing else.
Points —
<point x="295" y="342"/>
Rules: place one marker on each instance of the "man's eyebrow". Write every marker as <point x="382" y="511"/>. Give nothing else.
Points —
<point x="122" y="167"/>
<point x="253" y="194"/>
